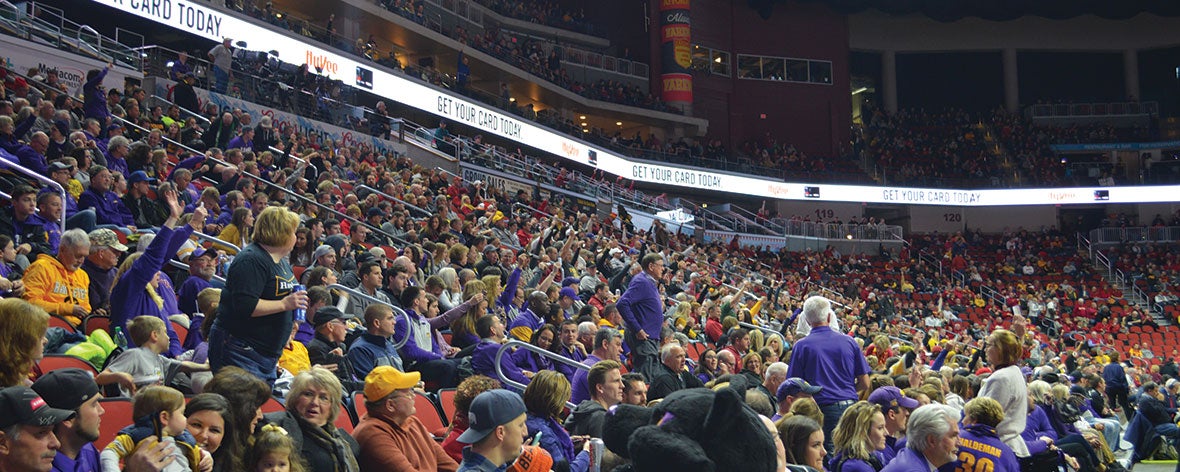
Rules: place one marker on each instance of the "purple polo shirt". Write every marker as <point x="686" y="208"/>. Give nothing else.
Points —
<point x="829" y="359"/>
<point x="87" y="461"/>
<point x="581" y="386"/>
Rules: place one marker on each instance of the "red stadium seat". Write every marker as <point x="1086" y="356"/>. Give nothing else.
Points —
<point x="429" y="414"/>
<point x="61" y="361"/>
<point x="358" y="405"/>
<point x="181" y="331"/>
<point x="298" y="271"/>
<point x="59" y="322"/>
<point x="95" y="322"/>
<point x="272" y="405"/>
<point x="344" y="420"/>
<point x="446" y="399"/>
<point x="117" y="416"/>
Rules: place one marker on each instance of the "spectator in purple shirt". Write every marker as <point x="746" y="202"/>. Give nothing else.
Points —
<point x="978" y="443"/>
<point x="244" y="140"/>
<point x="32" y="155"/>
<point x="117" y="150"/>
<point x="108" y="207"/>
<point x="95" y="96"/>
<point x="608" y="344"/>
<point x="202" y="263"/>
<point x="831" y="360"/>
<point x="420" y="352"/>
<point x="643" y="315"/>
<point x="74" y="390"/>
<point x="569" y="346"/>
<point x="931" y="440"/>
<point x="528" y="360"/>
<point x="483" y="361"/>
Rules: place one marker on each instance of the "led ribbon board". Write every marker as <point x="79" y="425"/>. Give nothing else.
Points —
<point x="206" y="22"/>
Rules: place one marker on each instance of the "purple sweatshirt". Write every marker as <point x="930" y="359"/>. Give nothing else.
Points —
<point x="641" y="307"/>
<point x="95" y="104"/>
<point x="483" y="362"/>
<point x="411" y="352"/>
<point x="108" y="208"/>
<point x="1035" y="426"/>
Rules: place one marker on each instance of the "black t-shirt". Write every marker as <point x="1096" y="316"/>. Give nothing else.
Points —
<point x="255" y="276"/>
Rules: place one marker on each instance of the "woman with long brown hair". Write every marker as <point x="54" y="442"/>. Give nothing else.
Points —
<point x="22" y="340"/>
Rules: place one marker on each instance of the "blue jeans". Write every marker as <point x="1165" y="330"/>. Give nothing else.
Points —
<point x="83" y="219"/>
<point x="226" y="350"/>
<point x="221" y="79"/>
<point x="832" y="413"/>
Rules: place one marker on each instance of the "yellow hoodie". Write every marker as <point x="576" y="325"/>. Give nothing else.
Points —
<point x="51" y="286"/>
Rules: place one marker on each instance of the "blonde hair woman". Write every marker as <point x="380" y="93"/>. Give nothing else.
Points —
<point x="1006" y="386"/>
<point x="859" y="436"/>
<point x="463" y="329"/>
<point x="775" y="343"/>
<point x="312" y="407"/>
<point x="255" y="317"/>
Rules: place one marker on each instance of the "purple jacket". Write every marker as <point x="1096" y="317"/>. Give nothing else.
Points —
<point x="1035" y="426"/>
<point x="907" y="460"/>
<point x="411" y="352"/>
<point x="108" y="208"/>
<point x="117" y="164"/>
<point x="531" y="361"/>
<point x="580" y="384"/>
<point x="32" y="160"/>
<point x="129" y="298"/>
<point x="95" y="105"/>
<point x="979" y="445"/>
<point x="641" y="307"/>
<point x="483" y="362"/>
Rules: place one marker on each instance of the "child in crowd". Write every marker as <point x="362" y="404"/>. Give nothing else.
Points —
<point x="158" y="411"/>
<point x="145" y="365"/>
<point x="10" y="273"/>
<point x="274" y="451"/>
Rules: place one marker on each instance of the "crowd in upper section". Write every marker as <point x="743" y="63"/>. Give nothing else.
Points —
<point x="955" y="148"/>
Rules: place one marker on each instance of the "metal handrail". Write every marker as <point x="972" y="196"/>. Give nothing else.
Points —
<point x="531" y="348"/>
<point x="214" y="239"/>
<point x="45" y="180"/>
<point x="391" y="197"/>
<point x="186" y="110"/>
<point x="181" y="265"/>
<point x="354" y="292"/>
<point x="759" y="328"/>
<point x="281" y="152"/>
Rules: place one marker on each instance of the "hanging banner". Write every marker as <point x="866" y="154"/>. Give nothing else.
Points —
<point x="676" y="51"/>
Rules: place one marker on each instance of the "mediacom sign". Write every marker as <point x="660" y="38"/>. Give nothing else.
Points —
<point x="212" y="24"/>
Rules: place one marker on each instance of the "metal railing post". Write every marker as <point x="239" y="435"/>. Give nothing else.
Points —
<point x="534" y="349"/>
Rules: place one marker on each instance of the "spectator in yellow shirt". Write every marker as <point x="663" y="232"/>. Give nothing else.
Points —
<point x="58" y="284"/>
<point x="295" y="359"/>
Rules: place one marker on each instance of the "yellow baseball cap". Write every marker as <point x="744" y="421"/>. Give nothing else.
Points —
<point x="383" y="380"/>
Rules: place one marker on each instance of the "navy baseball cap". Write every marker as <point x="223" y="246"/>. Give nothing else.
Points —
<point x="22" y="405"/>
<point x="490" y="410"/>
<point x="794" y="386"/>
<point x="67" y="388"/>
<point x="888" y="397"/>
